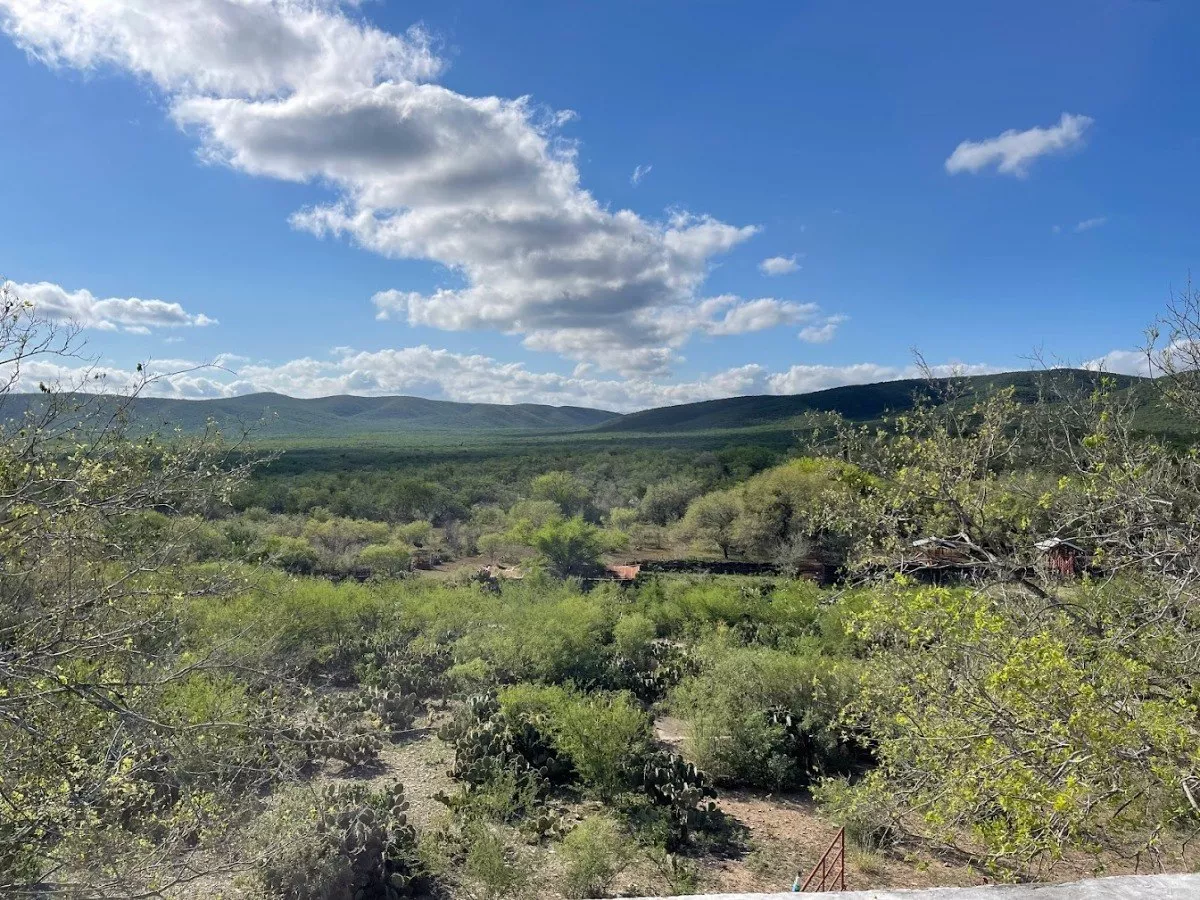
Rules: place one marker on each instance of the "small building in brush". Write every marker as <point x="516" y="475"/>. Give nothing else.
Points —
<point x="940" y="553"/>
<point x="1062" y="558"/>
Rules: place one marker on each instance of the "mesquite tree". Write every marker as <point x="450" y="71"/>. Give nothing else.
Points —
<point x="1018" y="714"/>
<point x="120" y="753"/>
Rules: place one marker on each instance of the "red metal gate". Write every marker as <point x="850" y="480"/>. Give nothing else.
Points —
<point x="829" y="874"/>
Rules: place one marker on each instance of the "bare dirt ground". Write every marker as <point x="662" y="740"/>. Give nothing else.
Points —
<point x="422" y="763"/>
<point x="787" y="835"/>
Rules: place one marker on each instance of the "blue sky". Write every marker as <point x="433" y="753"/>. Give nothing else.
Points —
<point x="352" y="198"/>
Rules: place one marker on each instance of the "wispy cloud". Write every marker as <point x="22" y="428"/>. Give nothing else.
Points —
<point x="639" y="173"/>
<point x="779" y="265"/>
<point x="1014" y="151"/>
<point x="1080" y="227"/>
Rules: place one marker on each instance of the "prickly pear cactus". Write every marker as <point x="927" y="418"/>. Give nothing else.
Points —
<point x="370" y="830"/>
<point x="390" y="663"/>
<point x="393" y="708"/>
<point x="333" y="733"/>
<point x="496" y="744"/>
<point x="681" y="788"/>
<point x="795" y="739"/>
<point x="357" y="746"/>
<point x="486" y="742"/>
<point x="475" y="709"/>
<point x="650" y="677"/>
<point x="546" y="825"/>
<point x="799" y="756"/>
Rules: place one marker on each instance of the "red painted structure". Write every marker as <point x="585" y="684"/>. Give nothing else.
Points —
<point x="623" y="573"/>
<point x="829" y="874"/>
<point x="1062" y="558"/>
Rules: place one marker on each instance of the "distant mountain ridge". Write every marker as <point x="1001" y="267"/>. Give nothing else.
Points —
<point x="277" y="415"/>
<point x="856" y="402"/>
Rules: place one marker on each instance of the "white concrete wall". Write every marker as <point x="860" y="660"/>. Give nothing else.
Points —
<point x="1129" y="887"/>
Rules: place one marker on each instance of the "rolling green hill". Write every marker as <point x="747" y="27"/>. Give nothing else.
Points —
<point x="276" y="415"/>
<point x="347" y="419"/>
<point x="858" y="402"/>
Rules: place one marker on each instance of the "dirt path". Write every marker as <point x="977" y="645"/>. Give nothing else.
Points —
<point x="671" y="733"/>
<point x="788" y="835"/>
<point x="419" y="760"/>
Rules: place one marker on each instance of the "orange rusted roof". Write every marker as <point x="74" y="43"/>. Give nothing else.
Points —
<point x="623" y="573"/>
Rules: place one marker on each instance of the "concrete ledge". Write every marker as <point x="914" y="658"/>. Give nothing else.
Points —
<point x="1125" y="887"/>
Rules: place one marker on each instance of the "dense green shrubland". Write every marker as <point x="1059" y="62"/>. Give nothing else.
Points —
<point x="404" y="485"/>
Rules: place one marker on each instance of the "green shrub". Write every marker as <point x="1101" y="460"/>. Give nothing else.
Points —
<point x="205" y="697"/>
<point x="595" y="852"/>
<point x="785" y="503"/>
<point x="292" y="554"/>
<point x="496" y="870"/>
<point x="622" y="518"/>
<point x="866" y="810"/>
<point x="242" y="533"/>
<point x="527" y="516"/>
<point x="471" y="675"/>
<point x="568" y="548"/>
<point x="633" y="635"/>
<point x="666" y="501"/>
<point x="606" y="738"/>
<point x="604" y="735"/>
<point x="338" y="536"/>
<point x="710" y="520"/>
<point x="551" y="635"/>
<point x="763" y="717"/>
<point x="416" y="533"/>
<point x="305" y="626"/>
<point x="505" y="798"/>
<point x="773" y="612"/>
<point x="386" y="559"/>
<point x="563" y="490"/>
<point x="203" y="541"/>
<point x="492" y="544"/>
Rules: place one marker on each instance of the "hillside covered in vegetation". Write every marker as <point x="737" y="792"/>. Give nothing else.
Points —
<point x="275" y="416"/>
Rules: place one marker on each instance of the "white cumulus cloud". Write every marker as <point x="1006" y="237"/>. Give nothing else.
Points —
<point x="308" y="91"/>
<point x="821" y="332"/>
<point x="1013" y="151"/>
<point x="1126" y="362"/>
<point x="441" y="374"/>
<point x="779" y="265"/>
<point x="82" y="308"/>
<point x="804" y="379"/>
